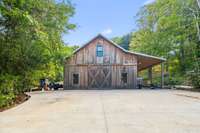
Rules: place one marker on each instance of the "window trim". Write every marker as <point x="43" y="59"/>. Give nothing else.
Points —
<point x="97" y="50"/>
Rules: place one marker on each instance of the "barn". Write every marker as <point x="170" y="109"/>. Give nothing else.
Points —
<point x="102" y="64"/>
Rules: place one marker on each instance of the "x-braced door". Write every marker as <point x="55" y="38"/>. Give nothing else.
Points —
<point x="99" y="76"/>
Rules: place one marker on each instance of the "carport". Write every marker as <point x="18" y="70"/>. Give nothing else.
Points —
<point x="148" y="62"/>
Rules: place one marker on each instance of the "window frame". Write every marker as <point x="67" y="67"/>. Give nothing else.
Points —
<point x="76" y="84"/>
<point x="99" y="53"/>
<point x="124" y="79"/>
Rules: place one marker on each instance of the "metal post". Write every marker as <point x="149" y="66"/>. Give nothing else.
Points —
<point x="150" y="75"/>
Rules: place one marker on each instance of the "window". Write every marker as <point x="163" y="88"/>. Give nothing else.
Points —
<point x="99" y="51"/>
<point x="124" y="77"/>
<point x="75" y="78"/>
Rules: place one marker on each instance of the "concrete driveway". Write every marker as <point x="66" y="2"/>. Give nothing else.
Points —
<point x="105" y="111"/>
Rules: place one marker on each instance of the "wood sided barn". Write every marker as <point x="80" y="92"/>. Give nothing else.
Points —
<point x="101" y="64"/>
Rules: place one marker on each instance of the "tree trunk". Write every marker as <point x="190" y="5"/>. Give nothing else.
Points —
<point x="182" y="59"/>
<point x="198" y="28"/>
<point x="196" y="19"/>
<point x="198" y="3"/>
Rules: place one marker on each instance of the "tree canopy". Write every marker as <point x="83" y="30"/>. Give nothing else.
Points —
<point x="170" y="28"/>
<point x="31" y="45"/>
<point x="123" y="41"/>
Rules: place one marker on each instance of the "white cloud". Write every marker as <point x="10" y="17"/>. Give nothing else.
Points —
<point x="149" y="2"/>
<point x="107" y="31"/>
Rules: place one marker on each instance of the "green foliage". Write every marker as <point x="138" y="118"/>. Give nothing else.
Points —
<point x="170" y="28"/>
<point x="176" y="80"/>
<point x="6" y="100"/>
<point x="30" y="42"/>
<point x="194" y="78"/>
<point x="123" y="41"/>
<point x="6" y="90"/>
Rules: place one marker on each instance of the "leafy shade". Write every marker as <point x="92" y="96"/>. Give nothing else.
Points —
<point x="30" y="41"/>
<point x="170" y="28"/>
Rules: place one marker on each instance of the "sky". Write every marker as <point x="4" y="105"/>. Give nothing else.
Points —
<point x="108" y="17"/>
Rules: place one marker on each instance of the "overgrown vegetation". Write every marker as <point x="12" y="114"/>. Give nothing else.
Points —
<point x="30" y="43"/>
<point x="171" y="29"/>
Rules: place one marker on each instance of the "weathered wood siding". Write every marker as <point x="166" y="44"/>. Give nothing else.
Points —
<point x="83" y="78"/>
<point x="107" y="74"/>
<point x="112" y="54"/>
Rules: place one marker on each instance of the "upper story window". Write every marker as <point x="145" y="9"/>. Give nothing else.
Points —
<point x="99" y="51"/>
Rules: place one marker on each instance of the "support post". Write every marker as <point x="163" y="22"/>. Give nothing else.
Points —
<point x="150" y="75"/>
<point x="162" y="75"/>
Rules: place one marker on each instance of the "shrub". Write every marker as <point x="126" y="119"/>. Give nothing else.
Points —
<point x="6" y="90"/>
<point x="176" y="80"/>
<point x="6" y="100"/>
<point x="194" y="78"/>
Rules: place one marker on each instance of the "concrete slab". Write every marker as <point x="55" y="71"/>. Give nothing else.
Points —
<point x="105" y="111"/>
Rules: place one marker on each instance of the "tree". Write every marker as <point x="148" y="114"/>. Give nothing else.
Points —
<point x="123" y="41"/>
<point x="30" y="39"/>
<point x="170" y="28"/>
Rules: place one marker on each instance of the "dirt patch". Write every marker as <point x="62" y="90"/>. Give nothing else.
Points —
<point x="18" y="100"/>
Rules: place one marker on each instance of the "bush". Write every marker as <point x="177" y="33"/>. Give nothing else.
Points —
<point x="6" y="90"/>
<point x="194" y="78"/>
<point x="12" y="86"/>
<point x="6" y="100"/>
<point x="176" y="80"/>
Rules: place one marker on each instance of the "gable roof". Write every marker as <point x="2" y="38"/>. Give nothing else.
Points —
<point x="118" y="46"/>
<point x="144" y="60"/>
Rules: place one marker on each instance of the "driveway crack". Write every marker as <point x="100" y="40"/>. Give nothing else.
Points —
<point x="104" y="114"/>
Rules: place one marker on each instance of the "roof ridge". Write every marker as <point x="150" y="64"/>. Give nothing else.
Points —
<point x="118" y="46"/>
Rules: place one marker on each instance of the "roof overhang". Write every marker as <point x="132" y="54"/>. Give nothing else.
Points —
<point x="144" y="61"/>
